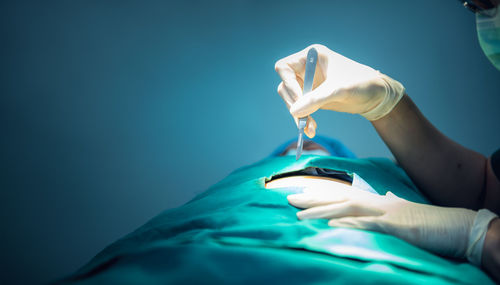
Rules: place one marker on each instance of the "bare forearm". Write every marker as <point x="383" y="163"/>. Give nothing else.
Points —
<point x="448" y="173"/>
<point x="491" y="250"/>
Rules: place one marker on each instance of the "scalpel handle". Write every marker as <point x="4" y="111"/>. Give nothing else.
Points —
<point x="311" y="60"/>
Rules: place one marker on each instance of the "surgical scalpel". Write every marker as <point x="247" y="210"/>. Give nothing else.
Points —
<point x="311" y="60"/>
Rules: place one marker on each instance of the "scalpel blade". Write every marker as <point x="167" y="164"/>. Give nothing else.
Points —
<point x="300" y="141"/>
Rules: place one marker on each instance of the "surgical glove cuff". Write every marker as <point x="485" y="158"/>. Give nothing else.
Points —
<point x="394" y="93"/>
<point x="477" y="235"/>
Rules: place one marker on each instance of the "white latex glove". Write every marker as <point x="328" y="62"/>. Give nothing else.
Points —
<point x="445" y="231"/>
<point x="340" y="84"/>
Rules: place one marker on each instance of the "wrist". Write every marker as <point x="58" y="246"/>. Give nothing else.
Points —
<point x="394" y="91"/>
<point x="477" y="235"/>
<point x="490" y="260"/>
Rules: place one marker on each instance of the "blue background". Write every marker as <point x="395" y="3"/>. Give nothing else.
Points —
<point x="112" y="111"/>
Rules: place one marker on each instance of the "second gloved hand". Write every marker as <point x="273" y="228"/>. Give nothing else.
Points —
<point x="340" y="84"/>
<point x="444" y="231"/>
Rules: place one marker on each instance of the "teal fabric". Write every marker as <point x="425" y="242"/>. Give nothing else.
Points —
<point x="239" y="232"/>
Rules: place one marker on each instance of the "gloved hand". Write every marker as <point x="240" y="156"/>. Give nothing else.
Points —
<point x="445" y="231"/>
<point x="340" y="84"/>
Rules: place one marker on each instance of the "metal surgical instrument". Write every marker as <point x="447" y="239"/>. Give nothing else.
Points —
<point x="311" y="60"/>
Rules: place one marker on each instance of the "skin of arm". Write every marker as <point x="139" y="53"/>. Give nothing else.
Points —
<point x="448" y="173"/>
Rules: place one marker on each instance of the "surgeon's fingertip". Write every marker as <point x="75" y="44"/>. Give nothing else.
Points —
<point x="310" y="132"/>
<point x="291" y="198"/>
<point x="311" y="127"/>
<point x="300" y="215"/>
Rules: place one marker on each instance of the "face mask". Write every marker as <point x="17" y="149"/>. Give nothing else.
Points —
<point x="488" y="32"/>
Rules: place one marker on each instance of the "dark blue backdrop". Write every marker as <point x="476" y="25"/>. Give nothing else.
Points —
<point x="112" y="111"/>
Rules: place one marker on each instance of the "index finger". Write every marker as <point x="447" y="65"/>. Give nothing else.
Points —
<point x="289" y="68"/>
